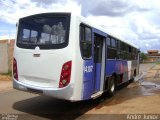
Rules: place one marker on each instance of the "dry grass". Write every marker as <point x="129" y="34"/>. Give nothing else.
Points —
<point x="5" y="77"/>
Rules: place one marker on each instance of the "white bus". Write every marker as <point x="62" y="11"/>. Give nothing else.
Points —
<point x="65" y="56"/>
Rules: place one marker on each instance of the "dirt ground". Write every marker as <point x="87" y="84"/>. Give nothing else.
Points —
<point x="141" y="97"/>
<point x="5" y="83"/>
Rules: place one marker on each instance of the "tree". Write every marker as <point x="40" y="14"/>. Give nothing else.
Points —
<point x="143" y="57"/>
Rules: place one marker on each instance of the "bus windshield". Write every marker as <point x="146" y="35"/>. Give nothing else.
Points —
<point x="43" y="31"/>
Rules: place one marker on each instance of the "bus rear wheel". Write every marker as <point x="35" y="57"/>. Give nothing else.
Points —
<point x="112" y="86"/>
<point x="134" y="75"/>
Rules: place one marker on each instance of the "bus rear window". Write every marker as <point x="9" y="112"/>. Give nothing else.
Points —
<point x="48" y="31"/>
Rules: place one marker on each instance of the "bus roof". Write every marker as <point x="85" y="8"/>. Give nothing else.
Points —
<point x="89" y="23"/>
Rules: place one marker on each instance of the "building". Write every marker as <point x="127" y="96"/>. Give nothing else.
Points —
<point x="153" y="56"/>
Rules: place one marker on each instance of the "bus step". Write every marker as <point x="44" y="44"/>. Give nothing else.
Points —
<point x="94" y="96"/>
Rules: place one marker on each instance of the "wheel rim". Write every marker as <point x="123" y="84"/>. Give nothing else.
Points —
<point x="112" y="86"/>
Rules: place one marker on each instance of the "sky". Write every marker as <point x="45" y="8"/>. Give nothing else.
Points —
<point x="137" y="21"/>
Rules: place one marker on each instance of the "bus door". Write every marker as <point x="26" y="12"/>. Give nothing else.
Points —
<point x="99" y="50"/>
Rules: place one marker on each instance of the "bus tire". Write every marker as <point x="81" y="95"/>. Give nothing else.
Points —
<point x="134" y="74"/>
<point x="112" y="86"/>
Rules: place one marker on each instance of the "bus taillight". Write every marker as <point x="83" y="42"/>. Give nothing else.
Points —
<point x="65" y="74"/>
<point x="15" y="71"/>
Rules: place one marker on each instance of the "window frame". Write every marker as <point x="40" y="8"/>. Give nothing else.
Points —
<point x="108" y="41"/>
<point x="111" y="48"/>
<point x="115" y="43"/>
<point x="85" y="41"/>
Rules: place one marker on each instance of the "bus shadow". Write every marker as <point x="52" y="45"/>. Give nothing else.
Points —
<point x="51" y="108"/>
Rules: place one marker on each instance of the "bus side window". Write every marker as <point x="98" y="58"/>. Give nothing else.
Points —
<point x="111" y="53"/>
<point x="108" y="41"/>
<point x="113" y="42"/>
<point x="85" y="42"/>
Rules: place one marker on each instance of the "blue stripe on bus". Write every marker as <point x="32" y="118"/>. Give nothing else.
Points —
<point x="88" y="74"/>
<point x="91" y="78"/>
<point x="97" y="78"/>
<point x="112" y="66"/>
<point x="115" y="66"/>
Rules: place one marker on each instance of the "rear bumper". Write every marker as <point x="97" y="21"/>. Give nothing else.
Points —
<point x="61" y="93"/>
